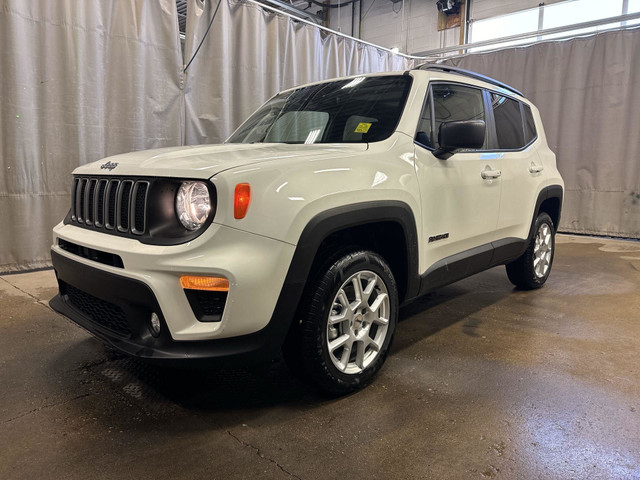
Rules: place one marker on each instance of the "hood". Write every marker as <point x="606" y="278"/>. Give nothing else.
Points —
<point x="204" y="161"/>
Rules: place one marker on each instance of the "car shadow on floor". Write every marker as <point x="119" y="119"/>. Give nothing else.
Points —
<point x="455" y="304"/>
<point x="158" y="389"/>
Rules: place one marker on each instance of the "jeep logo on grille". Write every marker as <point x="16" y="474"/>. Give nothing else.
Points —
<point x="109" y="166"/>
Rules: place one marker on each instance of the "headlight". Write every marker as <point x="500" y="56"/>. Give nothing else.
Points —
<point x="193" y="204"/>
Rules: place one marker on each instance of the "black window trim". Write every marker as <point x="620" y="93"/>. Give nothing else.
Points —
<point x="488" y="114"/>
<point x="427" y="96"/>
<point x="523" y="107"/>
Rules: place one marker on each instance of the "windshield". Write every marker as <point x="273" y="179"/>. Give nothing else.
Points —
<point x="358" y="110"/>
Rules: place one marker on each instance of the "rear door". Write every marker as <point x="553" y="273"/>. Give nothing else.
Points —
<point x="522" y="170"/>
<point x="461" y="195"/>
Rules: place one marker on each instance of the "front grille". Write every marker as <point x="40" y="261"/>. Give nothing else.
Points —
<point x="106" y="314"/>
<point x="114" y="204"/>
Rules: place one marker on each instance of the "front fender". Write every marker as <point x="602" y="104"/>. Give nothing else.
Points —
<point x="287" y="194"/>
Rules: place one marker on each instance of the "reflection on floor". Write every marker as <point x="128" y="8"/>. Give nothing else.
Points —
<point x="483" y="381"/>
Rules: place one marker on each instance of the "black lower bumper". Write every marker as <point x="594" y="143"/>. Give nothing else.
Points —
<point x="117" y="310"/>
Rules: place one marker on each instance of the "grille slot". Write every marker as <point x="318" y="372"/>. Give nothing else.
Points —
<point x="110" y="204"/>
<point x="106" y="314"/>
<point x="112" y="195"/>
<point x="89" y="199"/>
<point x="124" y="202"/>
<point x="99" y="205"/>
<point x="139" y="207"/>
<point x="80" y="199"/>
<point x="74" y="192"/>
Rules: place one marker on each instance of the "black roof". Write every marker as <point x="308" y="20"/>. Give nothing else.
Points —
<point x="466" y="73"/>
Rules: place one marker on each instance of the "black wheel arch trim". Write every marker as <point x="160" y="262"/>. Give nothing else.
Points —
<point x="551" y="191"/>
<point x="331" y="221"/>
<point x="340" y="218"/>
<point x="336" y="219"/>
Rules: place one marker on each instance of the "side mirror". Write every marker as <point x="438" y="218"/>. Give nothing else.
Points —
<point x="454" y="136"/>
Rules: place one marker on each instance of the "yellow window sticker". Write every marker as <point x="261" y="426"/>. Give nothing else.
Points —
<point x="363" y="128"/>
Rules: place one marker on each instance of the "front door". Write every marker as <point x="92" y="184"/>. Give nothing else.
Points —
<point x="460" y="195"/>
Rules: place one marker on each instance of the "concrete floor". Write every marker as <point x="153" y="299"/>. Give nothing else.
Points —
<point x="482" y="382"/>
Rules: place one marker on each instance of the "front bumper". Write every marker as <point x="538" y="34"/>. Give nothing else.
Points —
<point x="255" y="266"/>
<point x="120" y="311"/>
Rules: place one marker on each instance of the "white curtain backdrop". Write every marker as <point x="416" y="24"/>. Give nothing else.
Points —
<point x="79" y="80"/>
<point x="588" y="93"/>
<point x="250" y="54"/>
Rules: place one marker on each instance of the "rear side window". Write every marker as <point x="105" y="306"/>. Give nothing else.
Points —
<point x="509" y="124"/>
<point x="529" y="125"/>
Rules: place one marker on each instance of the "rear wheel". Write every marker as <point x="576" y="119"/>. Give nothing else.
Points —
<point x="349" y="315"/>
<point x="532" y="269"/>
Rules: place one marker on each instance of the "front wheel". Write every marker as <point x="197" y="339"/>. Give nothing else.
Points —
<point x="349" y="315"/>
<point x="532" y="269"/>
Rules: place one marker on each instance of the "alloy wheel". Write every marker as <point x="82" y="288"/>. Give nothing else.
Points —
<point x="358" y="322"/>
<point x="542" y="250"/>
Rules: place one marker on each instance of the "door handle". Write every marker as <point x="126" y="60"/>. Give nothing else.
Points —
<point x="490" y="174"/>
<point x="533" y="168"/>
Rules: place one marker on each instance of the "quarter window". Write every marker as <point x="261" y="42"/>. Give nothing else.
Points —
<point x="529" y="124"/>
<point x="508" y="120"/>
<point x="424" y="135"/>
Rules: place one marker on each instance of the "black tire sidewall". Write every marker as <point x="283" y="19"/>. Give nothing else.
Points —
<point x="533" y="278"/>
<point x="320" y="360"/>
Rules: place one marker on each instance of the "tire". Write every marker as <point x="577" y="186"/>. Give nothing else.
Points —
<point x="339" y="345"/>
<point x="531" y="270"/>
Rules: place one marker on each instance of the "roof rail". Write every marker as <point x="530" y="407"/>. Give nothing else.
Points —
<point x="466" y="73"/>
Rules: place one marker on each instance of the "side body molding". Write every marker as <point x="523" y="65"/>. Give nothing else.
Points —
<point x="467" y="263"/>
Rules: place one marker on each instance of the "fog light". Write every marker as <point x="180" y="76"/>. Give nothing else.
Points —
<point x="154" y="324"/>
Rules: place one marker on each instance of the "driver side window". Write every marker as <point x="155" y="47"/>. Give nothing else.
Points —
<point x="448" y="103"/>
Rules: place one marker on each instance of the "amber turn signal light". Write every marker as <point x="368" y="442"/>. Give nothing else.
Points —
<point x="241" y="200"/>
<point x="211" y="284"/>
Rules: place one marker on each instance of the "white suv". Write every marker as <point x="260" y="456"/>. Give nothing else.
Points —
<point x="331" y="206"/>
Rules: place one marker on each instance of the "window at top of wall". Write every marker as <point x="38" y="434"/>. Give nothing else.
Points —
<point x="633" y="7"/>
<point x="504" y="26"/>
<point x="580" y="11"/>
<point x="561" y="14"/>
